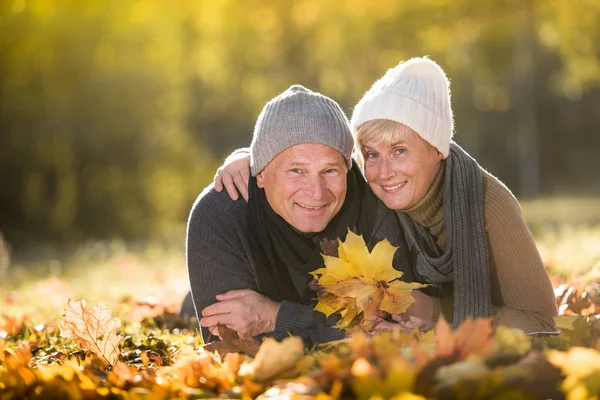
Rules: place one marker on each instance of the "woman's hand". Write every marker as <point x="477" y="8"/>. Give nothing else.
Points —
<point x="234" y="175"/>
<point x="419" y="315"/>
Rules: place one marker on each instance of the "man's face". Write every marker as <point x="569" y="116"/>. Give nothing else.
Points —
<point x="305" y="185"/>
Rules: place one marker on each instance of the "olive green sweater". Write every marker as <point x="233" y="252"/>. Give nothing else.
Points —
<point x="522" y="295"/>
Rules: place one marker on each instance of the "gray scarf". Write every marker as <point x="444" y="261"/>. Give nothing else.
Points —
<point x="465" y="261"/>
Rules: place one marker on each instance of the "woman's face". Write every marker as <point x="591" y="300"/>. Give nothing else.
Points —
<point x="401" y="170"/>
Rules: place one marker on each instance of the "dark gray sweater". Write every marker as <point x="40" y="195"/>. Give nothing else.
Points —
<point x="220" y="258"/>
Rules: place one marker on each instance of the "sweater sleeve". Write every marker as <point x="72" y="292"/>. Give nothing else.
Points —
<point x="517" y="269"/>
<point x="301" y="320"/>
<point x="215" y="256"/>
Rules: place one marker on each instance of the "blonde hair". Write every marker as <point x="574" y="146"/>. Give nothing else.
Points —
<point x="378" y="129"/>
<point x="381" y="129"/>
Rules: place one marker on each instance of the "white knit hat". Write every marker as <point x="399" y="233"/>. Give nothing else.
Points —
<point x="415" y="93"/>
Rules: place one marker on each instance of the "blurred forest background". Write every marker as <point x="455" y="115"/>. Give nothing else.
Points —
<point x="114" y="114"/>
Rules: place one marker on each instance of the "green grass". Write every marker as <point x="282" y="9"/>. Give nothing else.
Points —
<point x="556" y="212"/>
<point x="567" y="232"/>
<point x="108" y="271"/>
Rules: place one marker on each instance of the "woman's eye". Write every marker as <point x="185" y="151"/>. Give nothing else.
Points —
<point x="400" y="150"/>
<point x="371" y="155"/>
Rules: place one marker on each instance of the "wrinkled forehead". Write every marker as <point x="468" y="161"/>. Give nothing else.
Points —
<point x="309" y="155"/>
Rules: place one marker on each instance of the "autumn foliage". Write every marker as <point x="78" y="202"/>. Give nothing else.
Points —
<point x="90" y="353"/>
<point x="470" y="362"/>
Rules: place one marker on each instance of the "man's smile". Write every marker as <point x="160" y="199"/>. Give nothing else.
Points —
<point x="309" y="207"/>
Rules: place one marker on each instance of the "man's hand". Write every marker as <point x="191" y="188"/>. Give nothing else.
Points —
<point x="245" y="311"/>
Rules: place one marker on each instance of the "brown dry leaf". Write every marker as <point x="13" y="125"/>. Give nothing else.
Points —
<point x="274" y="358"/>
<point x="92" y="329"/>
<point x="148" y="356"/>
<point x="231" y="343"/>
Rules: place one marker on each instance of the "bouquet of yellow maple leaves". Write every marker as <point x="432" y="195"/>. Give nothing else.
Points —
<point x="360" y="286"/>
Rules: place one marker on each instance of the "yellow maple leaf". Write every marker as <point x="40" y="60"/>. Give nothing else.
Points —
<point x="330" y="304"/>
<point x="92" y="329"/>
<point x="358" y="284"/>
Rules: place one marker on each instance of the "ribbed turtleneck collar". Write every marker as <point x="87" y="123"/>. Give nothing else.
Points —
<point x="429" y="211"/>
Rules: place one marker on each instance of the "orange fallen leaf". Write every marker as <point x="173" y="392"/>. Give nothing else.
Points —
<point x="274" y="358"/>
<point x="92" y="329"/>
<point x="11" y="324"/>
<point x="471" y="337"/>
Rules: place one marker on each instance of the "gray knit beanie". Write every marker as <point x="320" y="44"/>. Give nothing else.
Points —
<point x="415" y="93"/>
<point x="297" y="116"/>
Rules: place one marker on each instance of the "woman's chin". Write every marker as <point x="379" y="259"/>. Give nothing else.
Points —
<point x="395" y="203"/>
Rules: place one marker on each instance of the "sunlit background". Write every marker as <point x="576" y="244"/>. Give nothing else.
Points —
<point x="114" y="114"/>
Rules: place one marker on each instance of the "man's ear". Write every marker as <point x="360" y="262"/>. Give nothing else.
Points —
<point x="260" y="180"/>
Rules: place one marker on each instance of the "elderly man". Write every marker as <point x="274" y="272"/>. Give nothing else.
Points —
<point x="249" y="263"/>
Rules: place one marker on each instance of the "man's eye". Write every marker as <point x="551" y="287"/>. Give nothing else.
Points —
<point x="331" y="171"/>
<point x="295" y="170"/>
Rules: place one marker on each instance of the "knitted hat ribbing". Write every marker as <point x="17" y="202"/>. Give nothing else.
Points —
<point x="297" y="116"/>
<point x="415" y="93"/>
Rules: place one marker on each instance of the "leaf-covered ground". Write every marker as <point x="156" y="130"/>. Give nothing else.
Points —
<point x="154" y="354"/>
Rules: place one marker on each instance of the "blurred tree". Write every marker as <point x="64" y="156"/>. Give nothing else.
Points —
<point x="113" y="112"/>
<point x="93" y="119"/>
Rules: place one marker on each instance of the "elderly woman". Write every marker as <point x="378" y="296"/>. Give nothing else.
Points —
<point x="464" y="227"/>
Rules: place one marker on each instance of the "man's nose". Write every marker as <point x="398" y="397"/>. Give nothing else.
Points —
<point x="316" y="187"/>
